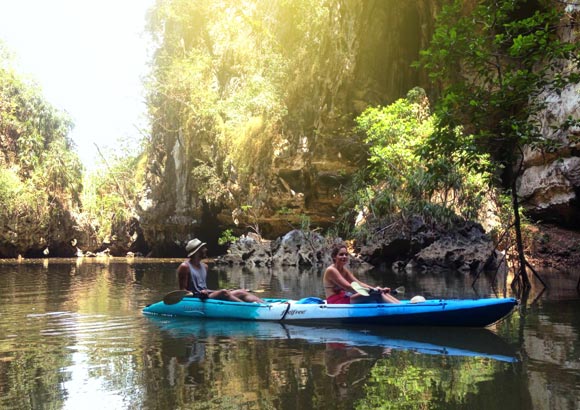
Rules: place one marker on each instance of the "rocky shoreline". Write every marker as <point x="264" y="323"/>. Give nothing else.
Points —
<point x="416" y="247"/>
<point x="555" y="248"/>
<point x="466" y="249"/>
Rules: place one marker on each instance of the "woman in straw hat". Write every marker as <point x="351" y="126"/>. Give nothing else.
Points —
<point x="192" y="274"/>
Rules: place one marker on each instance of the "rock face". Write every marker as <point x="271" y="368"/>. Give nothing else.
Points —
<point x="379" y="40"/>
<point x="550" y="184"/>
<point x="419" y="247"/>
<point x="296" y="248"/>
<point x="551" y="190"/>
<point x="466" y="249"/>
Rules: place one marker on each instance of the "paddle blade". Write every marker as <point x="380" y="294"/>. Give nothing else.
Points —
<point x="399" y="291"/>
<point x="175" y="297"/>
<point x="360" y="289"/>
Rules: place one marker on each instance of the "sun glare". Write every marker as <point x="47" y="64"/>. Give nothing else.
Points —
<point x="88" y="57"/>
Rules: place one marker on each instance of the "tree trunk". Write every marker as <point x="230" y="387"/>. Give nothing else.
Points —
<point x="522" y="272"/>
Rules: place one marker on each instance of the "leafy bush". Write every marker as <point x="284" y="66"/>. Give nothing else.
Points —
<point x="227" y="237"/>
<point x="399" y="182"/>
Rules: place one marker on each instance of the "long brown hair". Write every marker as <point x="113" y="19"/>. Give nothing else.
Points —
<point x="336" y="248"/>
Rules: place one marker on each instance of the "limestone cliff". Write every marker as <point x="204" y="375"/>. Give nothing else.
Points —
<point x="366" y="63"/>
<point x="550" y="184"/>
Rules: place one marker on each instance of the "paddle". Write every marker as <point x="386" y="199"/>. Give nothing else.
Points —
<point x="177" y="295"/>
<point x="360" y="289"/>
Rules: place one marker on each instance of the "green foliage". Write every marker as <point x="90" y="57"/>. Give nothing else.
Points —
<point x="398" y="183"/>
<point x="10" y="189"/>
<point x="40" y="174"/>
<point x="493" y="63"/>
<point x="284" y="211"/>
<point x="60" y="172"/>
<point x="251" y="216"/>
<point x="246" y="208"/>
<point x="111" y="192"/>
<point x="305" y="223"/>
<point x="227" y="237"/>
<point x="208" y="183"/>
<point x="238" y="87"/>
<point x="31" y="128"/>
<point x="401" y="383"/>
<point x="25" y="215"/>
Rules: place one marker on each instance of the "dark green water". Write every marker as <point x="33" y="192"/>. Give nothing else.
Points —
<point x="72" y="336"/>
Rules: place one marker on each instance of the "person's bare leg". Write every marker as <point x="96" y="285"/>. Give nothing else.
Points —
<point x="357" y="299"/>
<point x="375" y="298"/>
<point x="224" y="295"/>
<point x="389" y="298"/>
<point x="246" y="296"/>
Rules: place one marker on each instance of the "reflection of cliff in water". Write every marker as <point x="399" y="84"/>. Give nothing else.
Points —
<point x="290" y="366"/>
<point x="551" y="342"/>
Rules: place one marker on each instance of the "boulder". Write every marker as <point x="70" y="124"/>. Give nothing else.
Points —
<point x="300" y="248"/>
<point x="296" y="248"/>
<point x="395" y="244"/>
<point x="549" y="191"/>
<point x="249" y="250"/>
<point x="417" y="246"/>
<point x="467" y="250"/>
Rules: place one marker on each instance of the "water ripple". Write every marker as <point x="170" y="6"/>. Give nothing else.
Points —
<point x="101" y="327"/>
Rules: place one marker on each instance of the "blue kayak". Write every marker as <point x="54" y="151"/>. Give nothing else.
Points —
<point x="442" y="312"/>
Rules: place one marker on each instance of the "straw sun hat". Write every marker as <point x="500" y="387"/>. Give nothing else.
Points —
<point x="193" y="246"/>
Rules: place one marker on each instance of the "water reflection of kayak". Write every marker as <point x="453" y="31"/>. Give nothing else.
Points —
<point x="425" y="340"/>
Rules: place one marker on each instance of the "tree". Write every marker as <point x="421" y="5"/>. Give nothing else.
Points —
<point x="215" y="89"/>
<point x="397" y="183"/>
<point x="40" y="174"/>
<point x="110" y="192"/>
<point x="493" y="61"/>
<point x="237" y="88"/>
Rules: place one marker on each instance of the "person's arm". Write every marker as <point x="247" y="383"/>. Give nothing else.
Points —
<point x="206" y="290"/>
<point x="336" y="279"/>
<point x="183" y="276"/>
<point x="352" y="278"/>
<point x="376" y="288"/>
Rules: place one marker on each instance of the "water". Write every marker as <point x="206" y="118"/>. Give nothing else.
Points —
<point x="72" y="336"/>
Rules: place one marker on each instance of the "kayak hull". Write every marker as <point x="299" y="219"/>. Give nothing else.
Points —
<point x="450" y="312"/>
